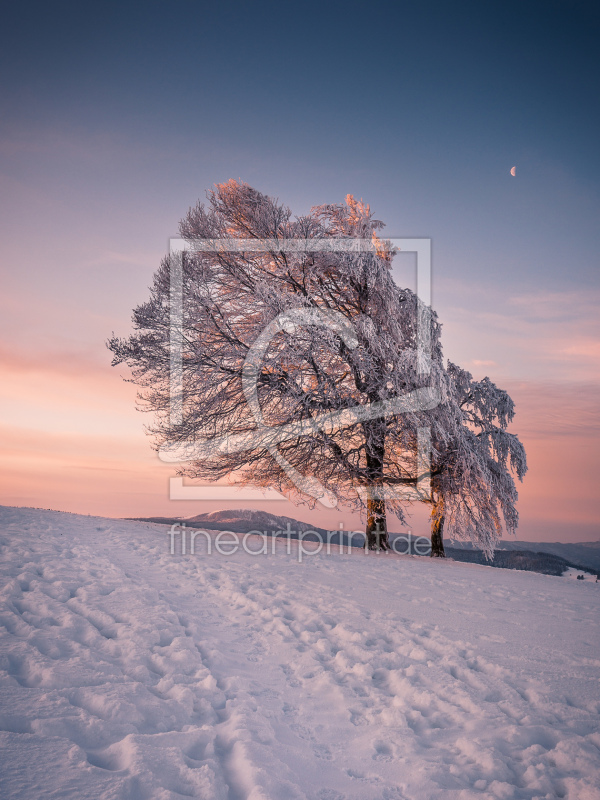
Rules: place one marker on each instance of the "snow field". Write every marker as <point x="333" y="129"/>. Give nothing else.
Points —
<point x="128" y="672"/>
<point x="573" y="573"/>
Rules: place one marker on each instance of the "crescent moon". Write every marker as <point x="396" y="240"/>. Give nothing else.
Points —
<point x="513" y="171"/>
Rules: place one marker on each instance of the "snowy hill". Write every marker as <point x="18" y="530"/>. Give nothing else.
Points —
<point x="128" y="672"/>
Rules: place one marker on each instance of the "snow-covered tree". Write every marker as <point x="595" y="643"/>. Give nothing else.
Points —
<point x="472" y="485"/>
<point x="301" y="367"/>
<point x="318" y="407"/>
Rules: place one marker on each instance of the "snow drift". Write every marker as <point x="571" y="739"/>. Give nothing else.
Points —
<point x="127" y="672"/>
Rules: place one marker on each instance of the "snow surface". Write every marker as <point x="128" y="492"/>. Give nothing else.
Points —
<point x="574" y="573"/>
<point x="128" y="672"/>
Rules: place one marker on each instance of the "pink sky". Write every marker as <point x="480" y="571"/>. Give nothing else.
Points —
<point x="115" y="123"/>
<point x="73" y="440"/>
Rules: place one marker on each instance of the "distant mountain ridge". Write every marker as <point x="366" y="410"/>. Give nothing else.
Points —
<point x="550" y="558"/>
<point x="581" y="554"/>
<point x="528" y="560"/>
<point x="244" y="516"/>
<point x="245" y="520"/>
<point x="240" y="520"/>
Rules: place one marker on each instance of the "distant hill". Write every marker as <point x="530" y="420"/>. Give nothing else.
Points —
<point x="583" y="554"/>
<point x="548" y="558"/>
<point x="245" y="520"/>
<point x="529" y="560"/>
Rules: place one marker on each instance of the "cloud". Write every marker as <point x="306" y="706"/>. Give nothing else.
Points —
<point x="546" y="410"/>
<point x="67" y="393"/>
<point x="81" y="364"/>
<point x="555" y="306"/>
<point x="144" y="259"/>
<point x="552" y="336"/>
<point x="587" y="348"/>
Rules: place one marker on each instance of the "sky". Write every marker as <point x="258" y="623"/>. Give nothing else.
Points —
<point x="115" y="118"/>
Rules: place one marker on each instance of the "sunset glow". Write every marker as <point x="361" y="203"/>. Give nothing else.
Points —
<point x="97" y="173"/>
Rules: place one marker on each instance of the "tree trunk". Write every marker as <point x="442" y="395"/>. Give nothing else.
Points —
<point x="437" y="531"/>
<point x="376" y="535"/>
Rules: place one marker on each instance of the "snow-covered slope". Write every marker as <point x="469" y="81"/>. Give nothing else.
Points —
<point x="128" y="672"/>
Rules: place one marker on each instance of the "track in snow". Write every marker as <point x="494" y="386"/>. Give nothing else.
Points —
<point x="127" y="672"/>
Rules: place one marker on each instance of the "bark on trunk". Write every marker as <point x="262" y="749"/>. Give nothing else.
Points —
<point x="376" y="532"/>
<point x="437" y="531"/>
<point x="376" y="535"/>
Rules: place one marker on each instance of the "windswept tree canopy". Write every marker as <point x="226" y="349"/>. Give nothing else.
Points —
<point x="473" y="489"/>
<point x="301" y="365"/>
